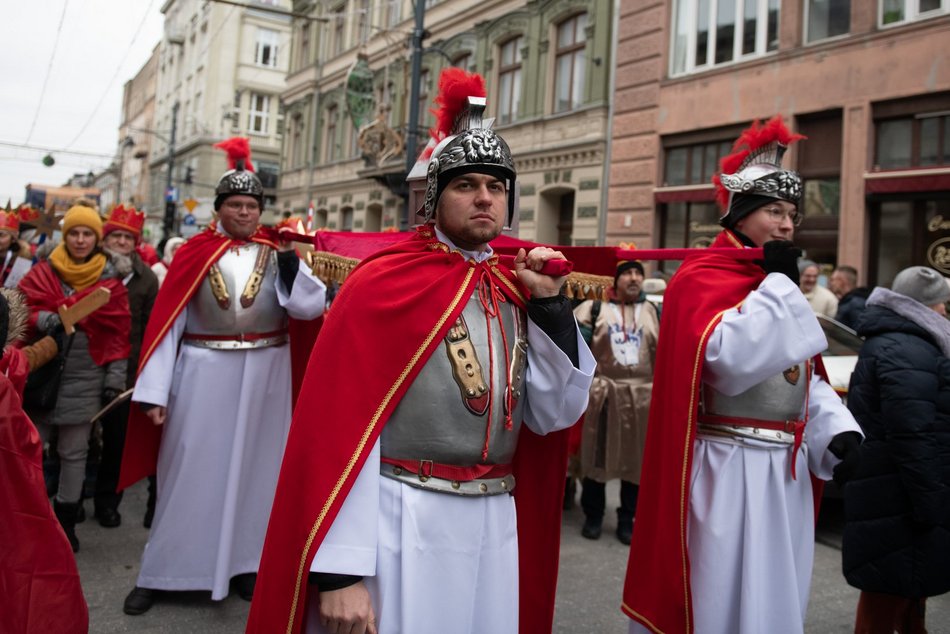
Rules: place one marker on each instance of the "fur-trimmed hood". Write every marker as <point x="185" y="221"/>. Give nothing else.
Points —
<point x="934" y="324"/>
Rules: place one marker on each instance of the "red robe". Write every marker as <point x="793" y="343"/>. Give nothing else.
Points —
<point x="39" y="582"/>
<point x="185" y="275"/>
<point x="657" y="592"/>
<point x="426" y="288"/>
<point x="107" y="328"/>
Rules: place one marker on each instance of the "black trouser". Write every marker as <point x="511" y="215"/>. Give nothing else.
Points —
<point x="113" y="439"/>
<point x="593" y="500"/>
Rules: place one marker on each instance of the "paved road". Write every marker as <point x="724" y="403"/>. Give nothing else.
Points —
<point x="588" y="588"/>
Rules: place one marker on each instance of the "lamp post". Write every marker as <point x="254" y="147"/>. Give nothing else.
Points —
<point x="168" y="221"/>
<point x="418" y="32"/>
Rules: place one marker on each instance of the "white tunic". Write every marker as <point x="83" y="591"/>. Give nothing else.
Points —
<point x="222" y="443"/>
<point x="440" y="563"/>
<point x="19" y="268"/>
<point x="751" y="527"/>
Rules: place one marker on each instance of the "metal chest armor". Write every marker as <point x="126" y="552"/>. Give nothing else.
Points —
<point x="236" y="305"/>
<point x="437" y="420"/>
<point x="778" y="399"/>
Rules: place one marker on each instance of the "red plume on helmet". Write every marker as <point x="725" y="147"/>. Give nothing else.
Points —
<point x="455" y="87"/>
<point x="747" y="147"/>
<point x="238" y="149"/>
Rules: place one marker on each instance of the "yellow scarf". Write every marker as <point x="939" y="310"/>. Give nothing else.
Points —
<point x="78" y="275"/>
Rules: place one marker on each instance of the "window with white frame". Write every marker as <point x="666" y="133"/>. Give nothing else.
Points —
<point x="707" y="33"/>
<point x="393" y="12"/>
<point x="423" y="103"/>
<point x="570" y="63"/>
<point x="827" y="18"/>
<point x="900" y="11"/>
<point x="258" y="113"/>
<point x="330" y="147"/>
<point x="363" y="20"/>
<point x="339" y="29"/>
<point x="509" y="80"/>
<point x="265" y="50"/>
<point x="465" y="61"/>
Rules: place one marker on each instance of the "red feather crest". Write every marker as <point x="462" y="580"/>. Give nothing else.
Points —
<point x="238" y="149"/>
<point x="455" y="87"/>
<point x="751" y="139"/>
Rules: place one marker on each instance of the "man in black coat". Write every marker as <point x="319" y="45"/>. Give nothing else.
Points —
<point x="896" y="546"/>
<point x="121" y="233"/>
<point x="851" y="298"/>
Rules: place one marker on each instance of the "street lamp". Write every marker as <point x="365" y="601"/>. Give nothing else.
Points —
<point x="168" y="220"/>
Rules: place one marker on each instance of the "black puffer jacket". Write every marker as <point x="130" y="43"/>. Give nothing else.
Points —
<point x="897" y="507"/>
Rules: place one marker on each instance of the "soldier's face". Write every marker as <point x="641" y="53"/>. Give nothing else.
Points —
<point x="472" y="209"/>
<point x="239" y="216"/>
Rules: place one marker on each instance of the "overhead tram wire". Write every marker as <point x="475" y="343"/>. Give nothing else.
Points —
<point x="49" y="70"/>
<point x="105" y="92"/>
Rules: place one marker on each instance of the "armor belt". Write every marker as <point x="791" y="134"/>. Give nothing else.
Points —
<point x="477" y="480"/>
<point x="240" y="341"/>
<point x="788" y="432"/>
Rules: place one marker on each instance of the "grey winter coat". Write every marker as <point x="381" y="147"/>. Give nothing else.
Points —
<point x="83" y="382"/>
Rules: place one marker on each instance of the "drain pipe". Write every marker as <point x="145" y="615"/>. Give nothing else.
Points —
<point x="612" y="86"/>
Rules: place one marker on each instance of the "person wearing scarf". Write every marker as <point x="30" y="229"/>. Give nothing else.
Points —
<point x="622" y="334"/>
<point x="724" y="536"/>
<point x="95" y="358"/>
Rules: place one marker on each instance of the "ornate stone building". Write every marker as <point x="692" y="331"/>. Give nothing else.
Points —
<point x="547" y="67"/>
<point x="221" y="69"/>
<point x="867" y="81"/>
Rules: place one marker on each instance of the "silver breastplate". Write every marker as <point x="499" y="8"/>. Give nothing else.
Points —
<point x="777" y="398"/>
<point x="433" y="420"/>
<point x="226" y="305"/>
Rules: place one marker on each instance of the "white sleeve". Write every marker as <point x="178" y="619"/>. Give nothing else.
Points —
<point x="154" y="383"/>
<point x="773" y="329"/>
<point x="350" y="545"/>
<point x="827" y="417"/>
<point x="555" y="391"/>
<point x="307" y="299"/>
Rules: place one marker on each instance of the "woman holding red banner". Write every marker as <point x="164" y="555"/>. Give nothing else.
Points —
<point x="93" y="361"/>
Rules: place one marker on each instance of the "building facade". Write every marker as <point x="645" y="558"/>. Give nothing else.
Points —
<point x="868" y="82"/>
<point x="138" y="116"/>
<point x="546" y="64"/>
<point x="221" y="69"/>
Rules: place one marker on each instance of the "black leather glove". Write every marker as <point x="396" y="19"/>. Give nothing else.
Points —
<point x="845" y="446"/>
<point x="781" y="256"/>
<point x="50" y="323"/>
<point x="109" y="394"/>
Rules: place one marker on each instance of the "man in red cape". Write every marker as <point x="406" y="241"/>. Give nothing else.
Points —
<point x="39" y="582"/>
<point x="393" y="510"/>
<point x="724" y="538"/>
<point x="212" y="400"/>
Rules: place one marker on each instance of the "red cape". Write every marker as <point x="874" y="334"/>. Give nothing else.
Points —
<point x="39" y="582"/>
<point x="107" y="328"/>
<point x="657" y="592"/>
<point x="426" y="288"/>
<point x="188" y="269"/>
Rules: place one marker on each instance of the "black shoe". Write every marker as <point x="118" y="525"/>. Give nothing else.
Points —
<point x="66" y="514"/>
<point x="139" y="601"/>
<point x="149" y="516"/>
<point x="592" y="528"/>
<point x="245" y="585"/>
<point x="80" y="513"/>
<point x="108" y="517"/>
<point x="625" y="533"/>
<point x="570" y="490"/>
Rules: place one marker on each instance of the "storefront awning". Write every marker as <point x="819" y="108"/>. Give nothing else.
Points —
<point x="906" y="181"/>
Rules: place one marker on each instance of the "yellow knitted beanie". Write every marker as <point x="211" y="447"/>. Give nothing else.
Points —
<point x="81" y="216"/>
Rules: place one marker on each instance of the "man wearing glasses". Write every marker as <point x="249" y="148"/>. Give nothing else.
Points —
<point x="724" y="539"/>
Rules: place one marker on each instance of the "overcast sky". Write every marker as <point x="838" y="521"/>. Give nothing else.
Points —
<point x="84" y="56"/>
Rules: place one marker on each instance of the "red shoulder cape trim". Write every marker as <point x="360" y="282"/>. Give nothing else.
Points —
<point x="425" y="289"/>
<point x="188" y="269"/>
<point x="656" y="591"/>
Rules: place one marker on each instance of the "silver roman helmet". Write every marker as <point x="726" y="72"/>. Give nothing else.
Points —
<point x="753" y="174"/>
<point x="240" y="178"/>
<point x="467" y="142"/>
